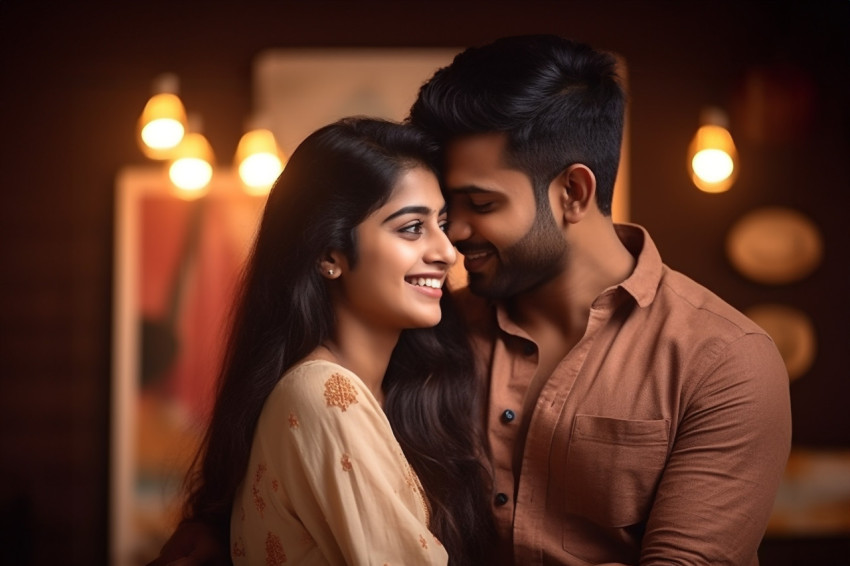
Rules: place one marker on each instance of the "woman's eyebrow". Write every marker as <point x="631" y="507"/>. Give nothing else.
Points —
<point x="414" y="209"/>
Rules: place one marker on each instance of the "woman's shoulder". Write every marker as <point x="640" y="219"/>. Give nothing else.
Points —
<point x="317" y="382"/>
<point x="312" y="367"/>
<point x="322" y="397"/>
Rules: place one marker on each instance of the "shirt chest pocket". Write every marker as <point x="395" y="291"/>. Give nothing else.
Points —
<point x="612" y="468"/>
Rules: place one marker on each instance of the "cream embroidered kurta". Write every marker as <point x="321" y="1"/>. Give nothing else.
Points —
<point x="327" y="482"/>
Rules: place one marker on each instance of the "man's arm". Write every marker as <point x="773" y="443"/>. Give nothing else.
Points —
<point x="717" y="490"/>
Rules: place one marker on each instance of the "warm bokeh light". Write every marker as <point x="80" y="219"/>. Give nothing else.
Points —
<point x="713" y="159"/>
<point x="191" y="175"/>
<point x="162" y="133"/>
<point x="162" y="125"/>
<point x="191" y="171"/>
<point x="258" y="161"/>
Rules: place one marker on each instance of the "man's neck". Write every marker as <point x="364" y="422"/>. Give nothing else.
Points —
<point x="555" y="313"/>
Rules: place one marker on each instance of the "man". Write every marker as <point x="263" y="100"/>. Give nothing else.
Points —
<point x="633" y="416"/>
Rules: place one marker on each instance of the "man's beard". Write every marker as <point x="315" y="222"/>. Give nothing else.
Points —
<point x="533" y="260"/>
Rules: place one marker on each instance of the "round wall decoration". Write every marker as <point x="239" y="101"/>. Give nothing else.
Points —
<point x="774" y="245"/>
<point x="793" y="333"/>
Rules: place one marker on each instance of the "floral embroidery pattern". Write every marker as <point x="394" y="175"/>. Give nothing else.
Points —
<point x="255" y="489"/>
<point x="423" y="542"/>
<point x="307" y="539"/>
<point x="415" y="485"/>
<point x="238" y="547"/>
<point x="274" y="551"/>
<point x="275" y="485"/>
<point x="293" y="421"/>
<point x="346" y="463"/>
<point x="409" y="475"/>
<point x="339" y="392"/>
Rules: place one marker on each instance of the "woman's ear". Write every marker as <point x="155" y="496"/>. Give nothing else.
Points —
<point x="331" y="264"/>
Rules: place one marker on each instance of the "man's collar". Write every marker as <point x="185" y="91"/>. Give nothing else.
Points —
<point x="643" y="283"/>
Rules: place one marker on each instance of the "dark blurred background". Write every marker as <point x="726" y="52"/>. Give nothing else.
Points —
<point x="75" y="76"/>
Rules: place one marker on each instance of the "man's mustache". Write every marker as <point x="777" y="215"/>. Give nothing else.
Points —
<point x="466" y="248"/>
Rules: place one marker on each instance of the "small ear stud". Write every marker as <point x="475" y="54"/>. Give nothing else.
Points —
<point x="330" y="271"/>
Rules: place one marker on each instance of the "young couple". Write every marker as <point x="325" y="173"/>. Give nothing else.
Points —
<point x="592" y="406"/>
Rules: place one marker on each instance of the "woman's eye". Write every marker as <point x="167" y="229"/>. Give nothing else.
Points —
<point x="415" y="228"/>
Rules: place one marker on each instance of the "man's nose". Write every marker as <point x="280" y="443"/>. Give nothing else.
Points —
<point x="459" y="229"/>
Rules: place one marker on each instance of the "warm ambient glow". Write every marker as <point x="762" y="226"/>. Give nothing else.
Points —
<point x="191" y="171"/>
<point x="163" y="120"/>
<point x="712" y="155"/>
<point x="258" y="161"/>
<point x="165" y="133"/>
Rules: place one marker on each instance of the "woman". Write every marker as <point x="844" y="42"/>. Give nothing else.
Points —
<point x="342" y="296"/>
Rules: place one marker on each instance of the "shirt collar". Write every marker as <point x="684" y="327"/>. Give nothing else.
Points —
<point x="643" y="283"/>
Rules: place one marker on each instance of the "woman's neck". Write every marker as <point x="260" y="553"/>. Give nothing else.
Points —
<point x="364" y="352"/>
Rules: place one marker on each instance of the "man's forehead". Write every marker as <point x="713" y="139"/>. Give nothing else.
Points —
<point x="487" y="147"/>
<point x="477" y="164"/>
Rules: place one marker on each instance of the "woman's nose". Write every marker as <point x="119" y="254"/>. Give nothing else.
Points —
<point x="441" y="249"/>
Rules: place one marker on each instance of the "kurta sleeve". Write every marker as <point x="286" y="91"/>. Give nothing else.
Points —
<point x="327" y="481"/>
<point x="718" y="487"/>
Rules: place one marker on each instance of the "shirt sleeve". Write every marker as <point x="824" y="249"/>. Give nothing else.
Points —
<point x="717" y="490"/>
<point x="328" y="447"/>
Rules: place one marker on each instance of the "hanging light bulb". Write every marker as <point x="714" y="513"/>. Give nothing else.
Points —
<point x="163" y="120"/>
<point x="712" y="156"/>
<point x="191" y="169"/>
<point x="258" y="160"/>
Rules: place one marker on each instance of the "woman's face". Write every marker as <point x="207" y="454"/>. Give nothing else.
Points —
<point x="403" y="258"/>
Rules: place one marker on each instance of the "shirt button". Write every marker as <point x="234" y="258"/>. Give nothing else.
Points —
<point x="501" y="499"/>
<point x="508" y="416"/>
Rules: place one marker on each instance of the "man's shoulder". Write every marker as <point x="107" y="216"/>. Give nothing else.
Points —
<point x="689" y="299"/>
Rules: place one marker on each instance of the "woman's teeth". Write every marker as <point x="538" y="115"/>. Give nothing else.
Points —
<point x="425" y="282"/>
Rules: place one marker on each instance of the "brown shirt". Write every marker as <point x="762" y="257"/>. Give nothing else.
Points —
<point x="660" y="438"/>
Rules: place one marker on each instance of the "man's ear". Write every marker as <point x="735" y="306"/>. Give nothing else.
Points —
<point x="332" y="264"/>
<point x="575" y="192"/>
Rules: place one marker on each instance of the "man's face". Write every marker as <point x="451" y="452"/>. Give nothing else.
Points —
<point x="508" y="246"/>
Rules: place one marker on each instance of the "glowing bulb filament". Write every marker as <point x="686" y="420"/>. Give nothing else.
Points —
<point x="164" y="133"/>
<point x="259" y="171"/>
<point x="190" y="173"/>
<point x="712" y="165"/>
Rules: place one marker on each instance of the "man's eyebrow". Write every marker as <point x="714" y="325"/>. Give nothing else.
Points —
<point x="469" y="189"/>
<point x="424" y="210"/>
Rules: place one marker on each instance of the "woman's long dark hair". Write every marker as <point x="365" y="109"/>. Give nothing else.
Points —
<point x="333" y="181"/>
